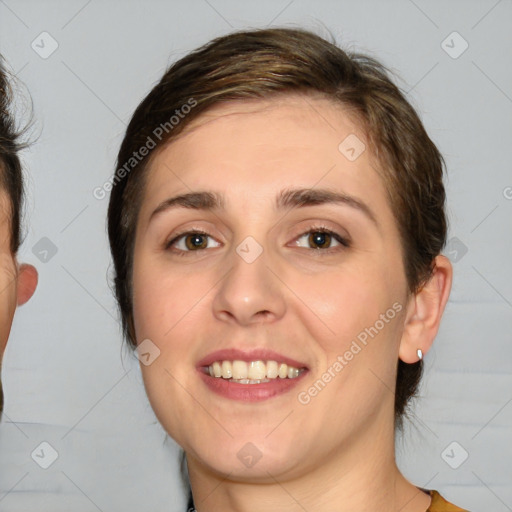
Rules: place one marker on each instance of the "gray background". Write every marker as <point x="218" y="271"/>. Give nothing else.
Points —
<point x="67" y="378"/>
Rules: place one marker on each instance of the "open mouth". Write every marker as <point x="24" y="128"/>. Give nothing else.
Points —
<point x="250" y="376"/>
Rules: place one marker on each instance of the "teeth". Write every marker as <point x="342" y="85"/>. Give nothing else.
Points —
<point x="254" y="372"/>
<point x="257" y="370"/>
<point x="217" y="370"/>
<point x="239" y="370"/>
<point x="250" y="381"/>
<point x="272" y="370"/>
<point x="227" y="370"/>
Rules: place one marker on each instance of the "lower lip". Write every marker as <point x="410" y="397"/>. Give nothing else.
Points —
<point x="250" y="392"/>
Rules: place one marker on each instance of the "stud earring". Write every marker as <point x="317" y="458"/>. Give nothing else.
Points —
<point x="420" y="354"/>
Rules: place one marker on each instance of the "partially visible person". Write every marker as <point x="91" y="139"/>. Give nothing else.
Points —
<point x="17" y="282"/>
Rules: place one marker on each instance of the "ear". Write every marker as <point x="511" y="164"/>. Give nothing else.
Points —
<point x="27" y="282"/>
<point x="424" y="312"/>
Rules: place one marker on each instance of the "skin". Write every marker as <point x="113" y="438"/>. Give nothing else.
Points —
<point x="17" y="281"/>
<point x="337" y="452"/>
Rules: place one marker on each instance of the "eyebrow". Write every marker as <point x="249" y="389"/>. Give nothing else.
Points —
<point x="288" y="198"/>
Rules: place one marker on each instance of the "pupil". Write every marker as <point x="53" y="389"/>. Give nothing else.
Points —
<point x="195" y="241"/>
<point x="319" y="238"/>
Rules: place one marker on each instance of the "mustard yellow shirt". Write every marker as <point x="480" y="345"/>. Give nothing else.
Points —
<point x="439" y="504"/>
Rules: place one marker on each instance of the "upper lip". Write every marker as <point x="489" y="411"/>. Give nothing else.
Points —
<point x="259" y="354"/>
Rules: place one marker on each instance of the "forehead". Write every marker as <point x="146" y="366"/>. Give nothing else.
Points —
<point x="252" y="147"/>
<point x="298" y="120"/>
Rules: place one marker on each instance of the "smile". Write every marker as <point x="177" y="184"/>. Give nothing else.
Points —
<point x="250" y="375"/>
<point x="252" y="372"/>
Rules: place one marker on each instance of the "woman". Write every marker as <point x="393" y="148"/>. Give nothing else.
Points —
<point x="17" y="282"/>
<point x="276" y="222"/>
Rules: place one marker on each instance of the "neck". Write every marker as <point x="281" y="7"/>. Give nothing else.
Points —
<point x="361" y="474"/>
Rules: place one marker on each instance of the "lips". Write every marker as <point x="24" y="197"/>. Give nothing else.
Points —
<point x="232" y="354"/>
<point x="248" y="390"/>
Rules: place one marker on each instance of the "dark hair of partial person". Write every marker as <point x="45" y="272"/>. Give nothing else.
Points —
<point x="11" y="176"/>
<point x="266" y="63"/>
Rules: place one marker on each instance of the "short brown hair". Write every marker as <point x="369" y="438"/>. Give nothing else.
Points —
<point x="264" y="63"/>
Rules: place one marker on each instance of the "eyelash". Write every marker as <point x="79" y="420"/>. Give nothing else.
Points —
<point x="313" y="229"/>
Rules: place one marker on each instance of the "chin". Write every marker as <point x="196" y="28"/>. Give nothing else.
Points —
<point x="251" y="462"/>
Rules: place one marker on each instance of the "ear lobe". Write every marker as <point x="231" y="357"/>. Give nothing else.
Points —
<point x="424" y="312"/>
<point x="27" y="283"/>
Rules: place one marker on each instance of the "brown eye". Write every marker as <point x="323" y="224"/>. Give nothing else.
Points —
<point x="319" y="238"/>
<point x="322" y="238"/>
<point x="195" y="241"/>
<point x="191" y="241"/>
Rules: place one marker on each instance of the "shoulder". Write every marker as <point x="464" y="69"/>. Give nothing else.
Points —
<point x="439" y="504"/>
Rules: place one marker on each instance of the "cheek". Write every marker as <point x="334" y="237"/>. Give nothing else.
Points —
<point x="165" y="302"/>
<point x="7" y="305"/>
<point x="344" y="302"/>
<point x="356" y="326"/>
<point x="164" y="312"/>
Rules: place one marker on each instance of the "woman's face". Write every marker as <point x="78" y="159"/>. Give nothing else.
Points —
<point x="265" y="284"/>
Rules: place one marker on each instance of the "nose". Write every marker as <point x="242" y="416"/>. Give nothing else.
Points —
<point x="251" y="292"/>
